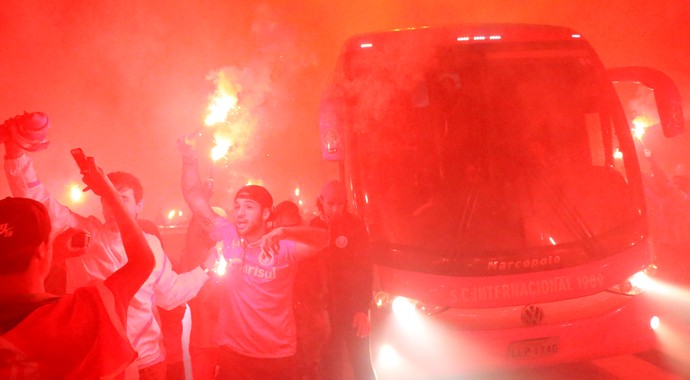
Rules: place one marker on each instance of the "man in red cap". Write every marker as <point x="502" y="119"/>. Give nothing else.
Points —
<point x="256" y="325"/>
<point x="75" y="336"/>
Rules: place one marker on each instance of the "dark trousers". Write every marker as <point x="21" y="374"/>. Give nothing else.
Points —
<point x="204" y="360"/>
<point x="232" y="365"/>
<point x="344" y="343"/>
<point x="154" y="372"/>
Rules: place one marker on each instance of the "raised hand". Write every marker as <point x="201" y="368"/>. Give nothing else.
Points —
<point x="94" y="178"/>
<point x="28" y="131"/>
<point x="12" y="148"/>
<point x="186" y="146"/>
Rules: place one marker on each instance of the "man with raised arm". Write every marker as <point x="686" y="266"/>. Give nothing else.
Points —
<point x="256" y="325"/>
<point x="105" y="255"/>
<point x="74" y="336"/>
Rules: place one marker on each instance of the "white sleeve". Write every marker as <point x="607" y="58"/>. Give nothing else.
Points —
<point x="23" y="182"/>
<point x="173" y="289"/>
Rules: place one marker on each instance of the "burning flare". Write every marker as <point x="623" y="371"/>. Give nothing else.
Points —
<point x="640" y="125"/>
<point x="221" y="148"/>
<point x="76" y="194"/>
<point x="223" y="101"/>
<point x="225" y="117"/>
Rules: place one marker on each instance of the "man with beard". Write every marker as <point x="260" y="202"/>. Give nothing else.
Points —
<point x="256" y="331"/>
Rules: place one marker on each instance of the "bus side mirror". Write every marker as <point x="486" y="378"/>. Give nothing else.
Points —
<point x="331" y="127"/>
<point x="666" y="94"/>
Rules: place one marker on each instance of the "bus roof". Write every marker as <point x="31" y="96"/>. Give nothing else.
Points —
<point x="467" y="33"/>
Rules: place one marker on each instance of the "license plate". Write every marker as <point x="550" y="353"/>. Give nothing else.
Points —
<point x="533" y="348"/>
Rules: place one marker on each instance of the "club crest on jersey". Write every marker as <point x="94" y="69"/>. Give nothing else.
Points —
<point x="266" y="260"/>
<point x="341" y="241"/>
<point x="6" y="230"/>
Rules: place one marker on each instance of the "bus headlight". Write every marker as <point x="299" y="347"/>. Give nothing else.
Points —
<point x="403" y="306"/>
<point x="637" y="283"/>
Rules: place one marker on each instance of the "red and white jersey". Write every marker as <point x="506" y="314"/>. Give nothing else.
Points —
<point x="256" y="317"/>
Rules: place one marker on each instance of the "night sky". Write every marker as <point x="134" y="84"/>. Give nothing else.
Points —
<point x="125" y="80"/>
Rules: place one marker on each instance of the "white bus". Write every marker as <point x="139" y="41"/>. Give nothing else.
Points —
<point x="497" y="174"/>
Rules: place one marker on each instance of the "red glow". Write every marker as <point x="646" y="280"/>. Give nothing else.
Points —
<point x="112" y="77"/>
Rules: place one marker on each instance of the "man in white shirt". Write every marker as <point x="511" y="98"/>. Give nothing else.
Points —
<point x="106" y="254"/>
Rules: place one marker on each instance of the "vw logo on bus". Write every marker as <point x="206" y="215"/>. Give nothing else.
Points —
<point x="532" y="315"/>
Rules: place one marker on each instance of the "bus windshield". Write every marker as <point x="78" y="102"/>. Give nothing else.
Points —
<point x="482" y="153"/>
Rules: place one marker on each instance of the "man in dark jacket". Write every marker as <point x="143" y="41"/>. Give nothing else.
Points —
<point x="349" y="279"/>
